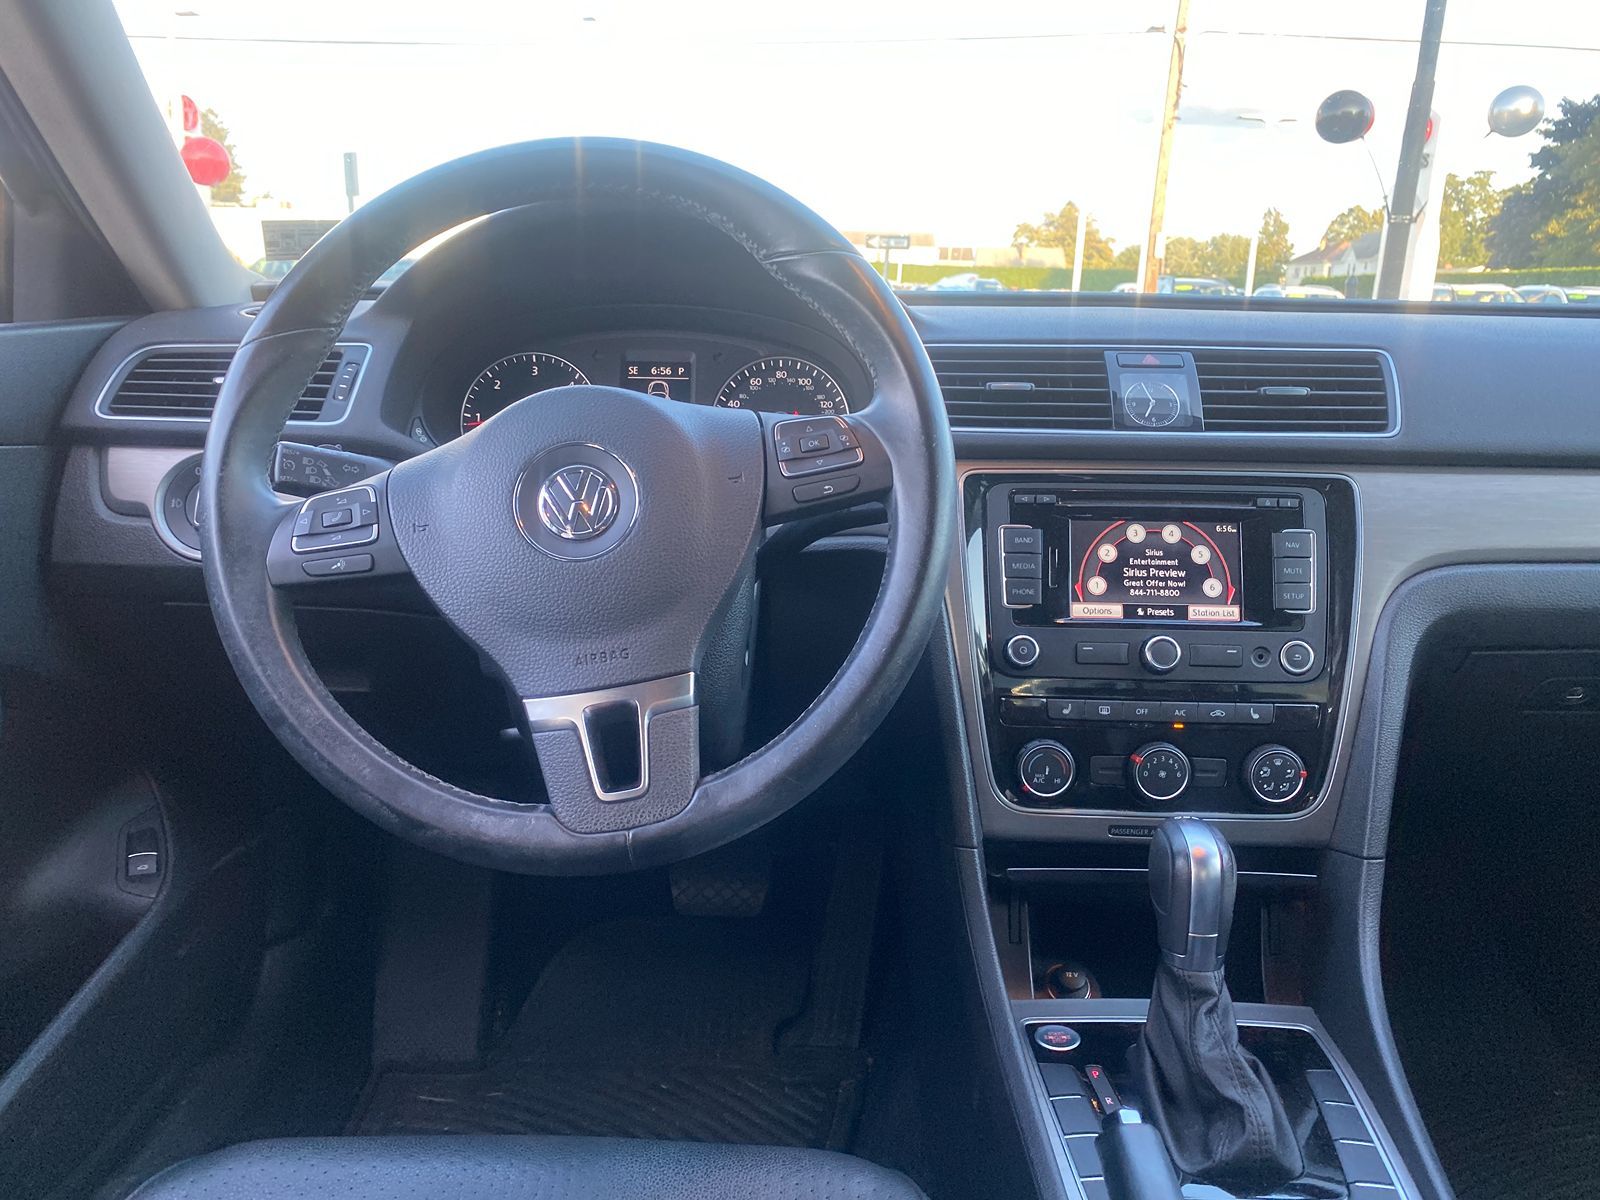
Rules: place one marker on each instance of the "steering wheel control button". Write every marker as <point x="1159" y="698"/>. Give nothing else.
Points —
<point x="575" y="501"/>
<point x="1056" y="1039"/>
<point x="1274" y="774"/>
<point x="1297" y="657"/>
<point x="815" y="444"/>
<point x="826" y="489"/>
<point x="1161" y="654"/>
<point x="1022" y="651"/>
<point x="334" y="520"/>
<point x="1045" y="768"/>
<point x="1160" y="771"/>
<point x="345" y="564"/>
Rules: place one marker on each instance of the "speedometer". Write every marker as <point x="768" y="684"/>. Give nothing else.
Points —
<point x="501" y="384"/>
<point x="784" y="385"/>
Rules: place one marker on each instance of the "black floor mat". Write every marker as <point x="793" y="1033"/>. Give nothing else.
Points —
<point x="659" y="1028"/>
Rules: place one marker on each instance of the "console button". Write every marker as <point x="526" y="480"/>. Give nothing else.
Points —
<point x="1326" y="1085"/>
<point x="1361" y="1162"/>
<point x="1111" y="654"/>
<point x="1344" y="1121"/>
<point x="1068" y="710"/>
<point x="1297" y="657"/>
<point x="1106" y="710"/>
<point x="1022" y="710"/>
<point x="1292" y="543"/>
<point x="1076" y="1115"/>
<point x="1084" y="1155"/>
<point x="1021" y="593"/>
<point x="1212" y="655"/>
<point x="1291" y="570"/>
<point x="1211" y="712"/>
<point x="1022" y="566"/>
<point x="1161" y="654"/>
<point x="1022" y="651"/>
<point x="1142" y="710"/>
<point x="1021" y="539"/>
<point x="1210" y="772"/>
<point x="1150" y="358"/>
<point x="1291" y="597"/>
<point x="1056" y="1039"/>
<point x="1176" y="710"/>
<point x="1061" y="1079"/>
<point x="1297" y="716"/>
<point x="1108" y="770"/>
<point x="1254" y="714"/>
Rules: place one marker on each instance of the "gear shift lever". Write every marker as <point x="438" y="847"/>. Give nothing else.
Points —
<point x="1192" y="884"/>
<point x="1213" y="1101"/>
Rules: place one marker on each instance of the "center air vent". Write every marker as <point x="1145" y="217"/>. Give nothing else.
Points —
<point x="1295" y="391"/>
<point x="182" y="382"/>
<point x="1024" y="387"/>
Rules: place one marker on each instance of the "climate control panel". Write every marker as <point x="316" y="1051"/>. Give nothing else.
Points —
<point x="1161" y="645"/>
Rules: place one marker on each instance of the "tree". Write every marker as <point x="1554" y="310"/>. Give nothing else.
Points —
<point x="1470" y="207"/>
<point x="1184" y="256"/>
<point x="1128" y="256"/>
<point x="1553" y="220"/>
<point x="231" y="189"/>
<point x="1060" y="230"/>
<point x="1352" y="223"/>
<point x="1274" y="248"/>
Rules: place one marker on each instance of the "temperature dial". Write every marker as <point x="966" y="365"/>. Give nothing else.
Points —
<point x="1274" y="774"/>
<point x="1045" y="768"/>
<point x="1160" y="771"/>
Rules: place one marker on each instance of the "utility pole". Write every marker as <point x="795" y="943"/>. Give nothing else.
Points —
<point x="1413" y="144"/>
<point x="1169" y="116"/>
<point x="1077" y="253"/>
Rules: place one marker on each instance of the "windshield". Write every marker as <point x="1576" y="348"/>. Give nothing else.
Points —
<point x="1219" y="149"/>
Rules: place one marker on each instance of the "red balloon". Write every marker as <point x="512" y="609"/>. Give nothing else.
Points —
<point x="207" y="160"/>
<point x="191" y="115"/>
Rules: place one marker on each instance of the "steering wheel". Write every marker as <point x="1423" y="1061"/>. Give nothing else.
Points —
<point x="596" y="545"/>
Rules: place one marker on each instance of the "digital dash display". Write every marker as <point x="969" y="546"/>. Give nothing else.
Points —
<point x="1172" y="570"/>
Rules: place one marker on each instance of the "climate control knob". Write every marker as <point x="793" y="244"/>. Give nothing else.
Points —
<point x="1159" y="771"/>
<point x="1274" y="774"/>
<point x="1045" y="769"/>
<point x="1161" y="654"/>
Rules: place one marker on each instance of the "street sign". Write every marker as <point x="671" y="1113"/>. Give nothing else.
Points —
<point x="888" y="241"/>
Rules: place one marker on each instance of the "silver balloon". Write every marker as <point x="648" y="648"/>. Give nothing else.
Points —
<point x="1516" y="111"/>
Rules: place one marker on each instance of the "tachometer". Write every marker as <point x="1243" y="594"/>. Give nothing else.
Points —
<point x="501" y="384"/>
<point x="784" y="385"/>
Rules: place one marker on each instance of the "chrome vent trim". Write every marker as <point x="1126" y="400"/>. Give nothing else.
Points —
<point x="1295" y="391"/>
<point x="1024" y="387"/>
<point x="180" y="382"/>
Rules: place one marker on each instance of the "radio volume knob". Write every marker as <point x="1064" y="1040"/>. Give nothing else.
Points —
<point x="1022" y="651"/>
<point x="1161" y="654"/>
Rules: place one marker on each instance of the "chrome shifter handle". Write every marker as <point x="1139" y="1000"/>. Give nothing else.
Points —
<point x="1193" y="880"/>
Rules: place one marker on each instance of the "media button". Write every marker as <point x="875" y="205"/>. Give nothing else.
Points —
<point x="1022" y="566"/>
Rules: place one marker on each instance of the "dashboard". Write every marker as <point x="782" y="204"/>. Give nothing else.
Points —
<point x="797" y="376"/>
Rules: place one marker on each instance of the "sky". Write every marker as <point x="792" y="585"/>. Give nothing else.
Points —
<point x="957" y="119"/>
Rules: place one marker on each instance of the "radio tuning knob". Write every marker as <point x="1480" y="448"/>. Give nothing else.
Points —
<point x="1161" y="654"/>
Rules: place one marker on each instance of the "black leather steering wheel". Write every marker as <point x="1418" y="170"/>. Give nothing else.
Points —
<point x="596" y="545"/>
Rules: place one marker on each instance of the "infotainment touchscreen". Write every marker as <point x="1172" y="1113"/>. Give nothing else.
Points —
<point x="1154" y="570"/>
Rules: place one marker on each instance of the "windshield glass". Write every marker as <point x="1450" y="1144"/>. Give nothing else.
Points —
<point x="1219" y="149"/>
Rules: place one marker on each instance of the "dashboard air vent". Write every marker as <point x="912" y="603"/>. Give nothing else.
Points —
<point x="1294" y="391"/>
<point x="182" y="382"/>
<point x="1024" y="387"/>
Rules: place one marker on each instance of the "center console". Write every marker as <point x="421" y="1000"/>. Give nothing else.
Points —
<point x="1157" y="644"/>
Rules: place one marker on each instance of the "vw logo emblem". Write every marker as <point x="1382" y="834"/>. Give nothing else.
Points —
<point x="578" y="502"/>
